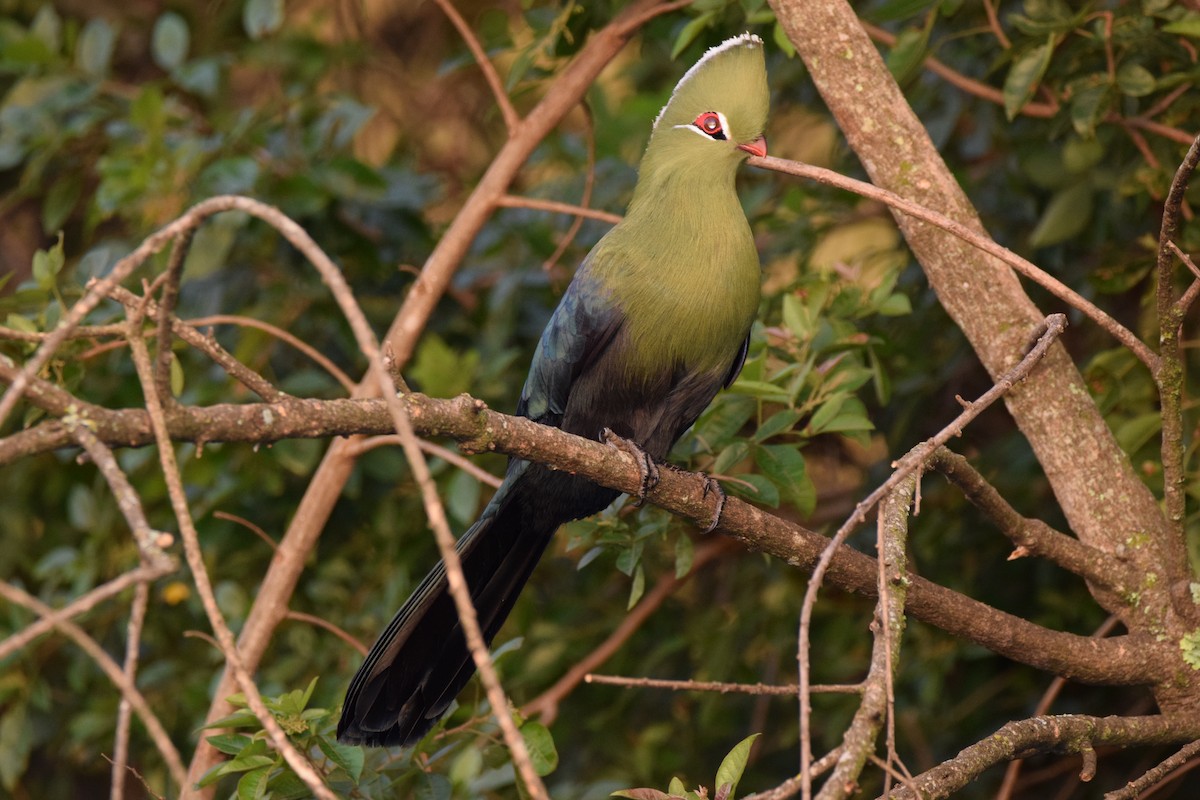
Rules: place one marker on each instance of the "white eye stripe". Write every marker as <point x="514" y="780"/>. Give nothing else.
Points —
<point x="725" y="132"/>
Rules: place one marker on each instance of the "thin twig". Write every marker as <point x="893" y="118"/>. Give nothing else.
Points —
<point x="312" y="619"/>
<point x="129" y="690"/>
<point x="1169" y="379"/>
<point x="166" y="310"/>
<point x="512" y="120"/>
<point x="133" y="643"/>
<point x="150" y="542"/>
<point x="1043" y="707"/>
<point x="994" y="24"/>
<point x="973" y="238"/>
<point x="546" y="704"/>
<point x="1147" y="781"/>
<point x="791" y="787"/>
<point x="55" y="617"/>
<point x="786" y="690"/>
<point x="513" y="201"/>
<point x="447" y="455"/>
<point x="279" y="333"/>
<point x="195" y="558"/>
<point x="878" y="697"/>
<point x="961" y="81"/>
<point x="1048" y="331"/>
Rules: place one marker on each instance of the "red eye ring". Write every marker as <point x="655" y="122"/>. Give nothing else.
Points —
<point x="709" y="124"/>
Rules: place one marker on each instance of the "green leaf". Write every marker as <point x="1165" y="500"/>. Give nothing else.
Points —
<point x="262" y="17"/>
<point x="169" y="41"/>
<point x="734" y="764"/>
<point x="1065" y="217"/>
<point x="47" y="27"/>
<point x="779" y="35"/>
<point x="238" y="719"/>
<point x="897" y="304"/>
<point x="48" y="263"/>
<point x="628" y="558"/>
<point x="779" y="422"/>
<point x="637" y="586"/>
<point x="466" y="767"/>
<point x="730" y="455"/>
<point x="15" y="745"/>
<point x="907" y="55"/>
<point x="93" y="52"/>
<point x="540" y="744"/>
<point x="826" y="412"/>
<point x="253" y="785"/>
<point x="689" y="32"/>
<point x="177" y="377"/>
<point x="761" y="489"/>
<point x="1135" y="80"/>
<point x="462" y="497"/>
<point x="1024" y="76"/>
<point x="760" y="389"/>
<point x="645" y="794"/>
<point x="347" y="756"/>
<point x="432" y="786"/>
<point x="1187" y="25"/>
<point x="784" y="465"/>
<point x="676" y="787"/>
<point x="246" y="763"/>
<point x="796" y="317"/>
<point x="1134" y="433"/>
<point x="1089" y="103"/>
<point x="60" y="200"/>
<point x="230" y="743"/>
<point x="684" y="553"/>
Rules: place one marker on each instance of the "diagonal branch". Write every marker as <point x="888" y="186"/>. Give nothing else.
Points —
<point x="912" y="461"/>
<point x="973" y="238"/>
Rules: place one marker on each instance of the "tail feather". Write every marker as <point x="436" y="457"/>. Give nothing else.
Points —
<point x="420" y="662"/>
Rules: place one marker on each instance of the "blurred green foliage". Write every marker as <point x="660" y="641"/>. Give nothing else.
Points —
<point x="369" y="132"/>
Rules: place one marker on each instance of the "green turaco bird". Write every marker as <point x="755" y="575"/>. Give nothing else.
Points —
<point x="655" y="322"/>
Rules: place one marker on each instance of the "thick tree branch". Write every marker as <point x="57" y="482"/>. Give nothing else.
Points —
<point x="878" y="700"/>
<point x="1070" y="733"/>
<point x="1033" y="536"/>
<point x="1120" y="660"/>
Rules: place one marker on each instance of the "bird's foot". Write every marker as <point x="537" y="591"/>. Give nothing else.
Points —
<point x="646" y="465"/>
<point x="711" y="486"/>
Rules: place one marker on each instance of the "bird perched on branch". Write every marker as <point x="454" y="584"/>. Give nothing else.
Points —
<point x="655" y="322"/>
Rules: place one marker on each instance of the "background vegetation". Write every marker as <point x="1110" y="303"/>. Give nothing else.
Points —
<point x="370" y="125"/>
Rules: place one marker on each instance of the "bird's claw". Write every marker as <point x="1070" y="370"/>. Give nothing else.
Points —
<point x="646" y="465"/>
<point x="711" y="486"/>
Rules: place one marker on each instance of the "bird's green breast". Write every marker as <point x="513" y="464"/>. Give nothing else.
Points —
<point x="684" y="270"/>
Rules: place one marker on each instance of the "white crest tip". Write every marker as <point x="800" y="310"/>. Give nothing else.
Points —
<point x="747" y="38"/>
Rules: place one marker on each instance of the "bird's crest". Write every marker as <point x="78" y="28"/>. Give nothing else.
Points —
<point x="730" y="78"/>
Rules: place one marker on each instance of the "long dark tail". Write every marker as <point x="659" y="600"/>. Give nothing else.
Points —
<point x="420" y="662"/>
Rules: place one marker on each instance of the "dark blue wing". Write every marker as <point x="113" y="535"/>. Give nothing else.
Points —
<point x="581" y="328"/>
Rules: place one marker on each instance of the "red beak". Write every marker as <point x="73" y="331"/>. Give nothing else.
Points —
<point x="756" y="148"/>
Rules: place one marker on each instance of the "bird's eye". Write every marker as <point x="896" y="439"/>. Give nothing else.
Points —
<point x="709" y="123"/>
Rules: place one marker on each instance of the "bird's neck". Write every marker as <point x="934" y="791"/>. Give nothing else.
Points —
<point x="689" y="271"/>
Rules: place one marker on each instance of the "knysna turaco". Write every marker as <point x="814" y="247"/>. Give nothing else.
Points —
<point x="655" y="322"/>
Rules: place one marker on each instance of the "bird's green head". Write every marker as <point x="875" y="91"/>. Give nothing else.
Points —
<point x="718" y="110"/>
